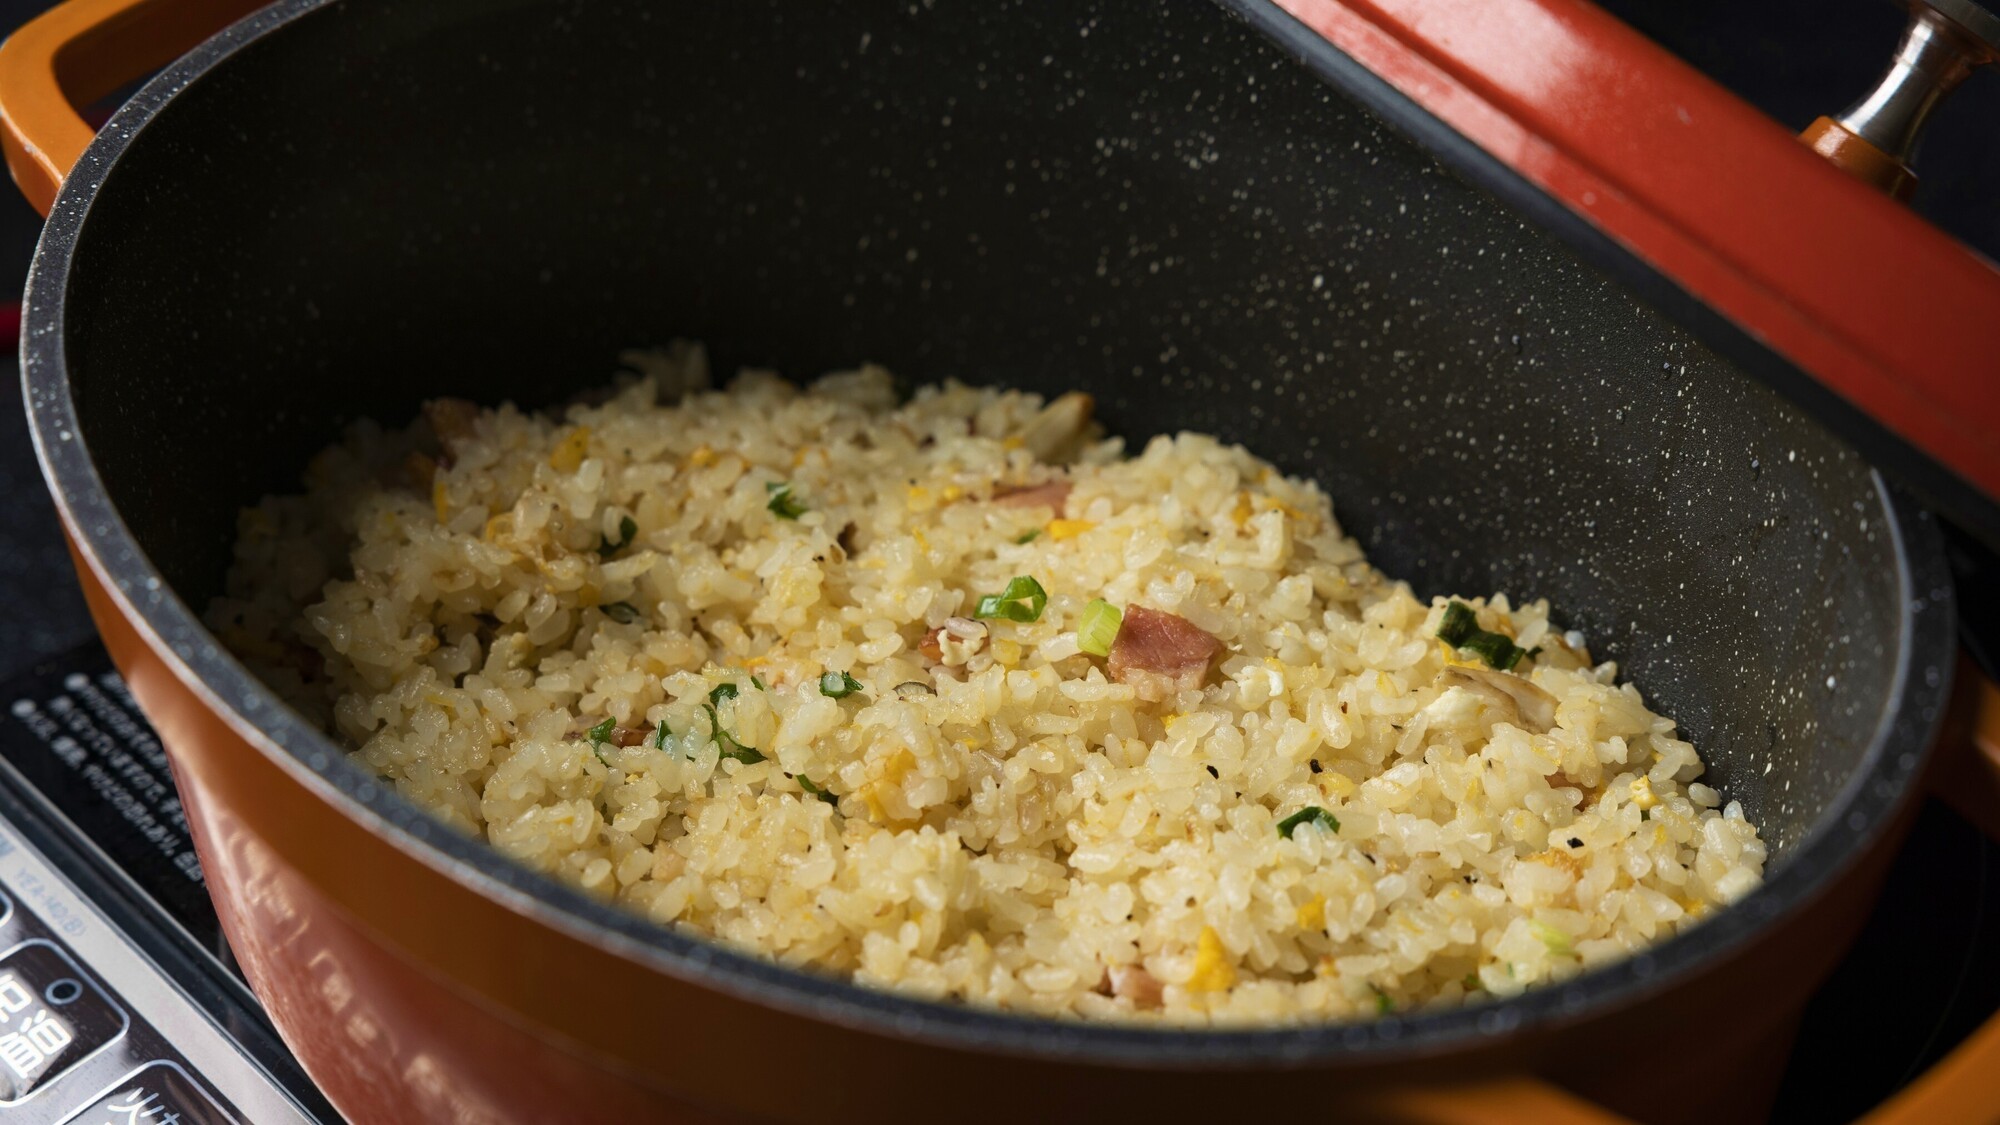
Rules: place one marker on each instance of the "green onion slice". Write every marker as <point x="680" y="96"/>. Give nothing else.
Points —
<point x="838" y="685"/>
<point x="758" y="684"/>
<point x="660" y="736"/>
<point x="1029" y="536"/>
<point x="1022" y="600"/>
<point x="627" y="530"/>
<point x="1557" y="942"/>
<point x="1460" y="629"/>
<point x="623" y="613"/>
<point x="1311" y="814"/>
<point x="599" y="735"/>
<point x="725" y="743"/>
<point x="1099" y="627"/>
<point x="806" y="783"/>
<point x="722" y="692"/>
<point x="782" y="503"/>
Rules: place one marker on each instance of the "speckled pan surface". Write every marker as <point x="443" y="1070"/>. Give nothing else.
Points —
<point x="362" y="205"/>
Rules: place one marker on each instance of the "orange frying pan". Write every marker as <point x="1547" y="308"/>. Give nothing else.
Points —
<point x="337" y="207"/>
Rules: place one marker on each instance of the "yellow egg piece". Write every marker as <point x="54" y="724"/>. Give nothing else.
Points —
<point x="569" y="453"/>
<point x="1212" y="970"/>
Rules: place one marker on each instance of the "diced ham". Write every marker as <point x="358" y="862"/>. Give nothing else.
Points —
<point x="451" y="420"/>
<point x="418" y="471"/>
<point x="1160" y="654"/>
<point x="1052" y="495"/>
<point x="1130" y="982"/>
<point x="953" y="642"/>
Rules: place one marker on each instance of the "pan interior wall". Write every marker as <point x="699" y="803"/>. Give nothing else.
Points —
<point x="383" y="203"/>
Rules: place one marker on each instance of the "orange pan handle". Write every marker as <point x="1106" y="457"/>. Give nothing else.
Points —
<point x="1499" y="1101"/>
<point x="73" y="55"/>
<point x="1944" y="41"/>
<point x="1847" y="151"/>
<point x="1966" y="1085"/>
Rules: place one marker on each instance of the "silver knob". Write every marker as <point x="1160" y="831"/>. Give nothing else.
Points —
<point x="1945" y="41"/>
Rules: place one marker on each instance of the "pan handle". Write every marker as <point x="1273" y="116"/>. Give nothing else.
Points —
<point x="73" y="55"/>
<point x="1500" y="1101"/>
<point x="1965" y="1086"/>
<point x="1945" y="41"/>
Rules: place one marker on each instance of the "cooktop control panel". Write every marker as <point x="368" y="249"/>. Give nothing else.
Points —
<point x="92" y="1032"/>
<point x="118" y="1002"/>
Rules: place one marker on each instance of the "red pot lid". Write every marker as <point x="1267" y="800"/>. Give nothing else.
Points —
<point x="1821" y="273"/>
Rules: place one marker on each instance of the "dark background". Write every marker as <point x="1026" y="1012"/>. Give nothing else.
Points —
<point x="1916" y="983"/>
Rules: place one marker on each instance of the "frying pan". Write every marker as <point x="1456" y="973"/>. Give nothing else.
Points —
<point x="1289" y="229"/>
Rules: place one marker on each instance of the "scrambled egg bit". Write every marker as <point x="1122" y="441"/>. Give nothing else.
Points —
<point x="1212" y="970"/>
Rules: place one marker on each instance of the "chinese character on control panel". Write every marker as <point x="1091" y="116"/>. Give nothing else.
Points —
<point x="28" y="1039"/>
<point x="137" y="1107"/>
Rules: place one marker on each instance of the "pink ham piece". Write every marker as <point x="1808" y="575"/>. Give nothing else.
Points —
<point x="1160" y="654"/>
<point x="1130" y="982"/>
<point x="452" y="421"/>
<point x="1052" y="496"/>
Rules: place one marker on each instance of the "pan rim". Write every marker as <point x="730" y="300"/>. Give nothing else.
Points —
<point x="1869" y="800"/>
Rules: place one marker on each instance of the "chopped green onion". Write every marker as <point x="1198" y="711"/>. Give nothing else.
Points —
<point x="722" y="692"/>
<point x="1460" y="629"/>
<point x="1099" y="627"/>
<point x="725" y="743"/>
<point x="599" y="735"/>
<point x="660" y="736"/>
<point x="1022" y="600"/>
<point x="1470" y="982"/>
<point x="627" y="530"/>
<point x="838" y="685"/>
<point x="1311" y="814"/>
<point x="1558" y="943"/>
<point x="758" y="684"/>
<point x="806" y="784"/>
<point x="783" y="504"/>
<point x="623" y="613"/>
<point x="1383" y="1005"/>
<point x="1029" y="536"/>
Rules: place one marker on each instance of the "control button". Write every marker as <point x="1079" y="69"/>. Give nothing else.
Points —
<point x="158" y="1093"/>
<point x="51" y="1018"/>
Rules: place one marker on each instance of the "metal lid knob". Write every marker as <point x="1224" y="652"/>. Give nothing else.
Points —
<point x="1945" y="41"/>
